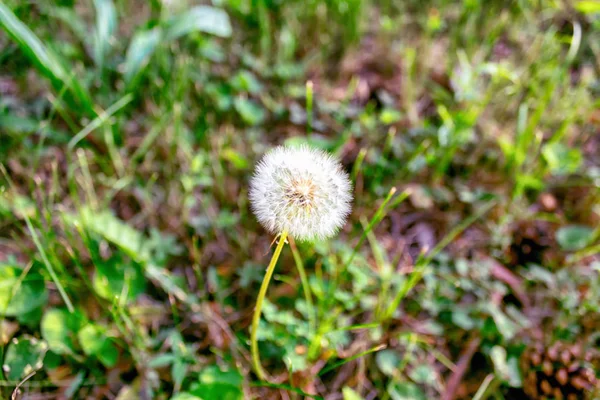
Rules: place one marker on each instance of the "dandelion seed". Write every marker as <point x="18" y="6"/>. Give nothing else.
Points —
<point x="301" y="191"/>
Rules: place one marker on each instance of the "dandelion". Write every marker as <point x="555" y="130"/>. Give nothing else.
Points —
<point x="301" y="192"/>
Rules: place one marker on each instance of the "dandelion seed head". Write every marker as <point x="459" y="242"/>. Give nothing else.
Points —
<point x="301" y="190"/>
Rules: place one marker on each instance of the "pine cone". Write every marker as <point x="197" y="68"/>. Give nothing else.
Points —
<point x="560" y="372"/>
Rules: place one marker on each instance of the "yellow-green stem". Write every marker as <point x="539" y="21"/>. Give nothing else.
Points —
<point x="259" y="302"/>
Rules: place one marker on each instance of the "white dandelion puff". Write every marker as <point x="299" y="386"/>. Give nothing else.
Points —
<point x="301" y="191"/>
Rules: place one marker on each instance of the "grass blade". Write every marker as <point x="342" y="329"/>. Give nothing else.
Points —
<point x="44" y="59"/>
<point x="199" y="19"/>
<point x="106" y="23"/>
<point x="352" y="358"/>
<point x="142" y="46"/>
<point x="100" y="119"/>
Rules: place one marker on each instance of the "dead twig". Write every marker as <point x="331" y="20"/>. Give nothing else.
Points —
<point x="461" y="368"/>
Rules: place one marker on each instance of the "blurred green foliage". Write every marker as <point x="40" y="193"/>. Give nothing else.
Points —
<point x="130" y="260"/>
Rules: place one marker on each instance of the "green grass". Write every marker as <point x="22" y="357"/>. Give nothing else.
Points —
<point x="130" y="261"/>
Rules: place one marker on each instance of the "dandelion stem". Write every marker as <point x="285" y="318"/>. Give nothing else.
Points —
<point x="259" y="302"/>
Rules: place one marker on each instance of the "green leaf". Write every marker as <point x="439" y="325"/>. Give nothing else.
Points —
<point x="588" y="6"/>
<point x="140" y="50"/>
<point x="423" y="374"/>
<point x="59" y="328"/>
<point x="199" y="19"/>
<point x="162" y="360"/>
<point x="245" y="81"/>
<point x="133" y="243"/>
<point x="251" y="112"/>
<point x="295" y="362"/>
<point x="574" y="237"/>
<point x="106" y="23"/>
<point x="389" y="116"/>
<point x="20" y="294"/>
<point x="514" y="373"/>
<point x="387" y="361"/>
<point x="462" y="319"/>
<point x="21" y="127"/>
<point x="405" y="391"/>
<point x="116" y="279"/>
<point x="498" y="356"/>
<point x="350" y="394"/>
<point x="19" y="124"/>
<point x="236" y="158"/>
<point x="218" y="384"/>
<point x="95" y="342"/>
<point x="562" y="160"/>
<point x="44" y="59"/>
<point x="23" y="356"/>
<point x="505" y="325"/>
<point x="179" y="370"/>
<point x="111" y="228"/>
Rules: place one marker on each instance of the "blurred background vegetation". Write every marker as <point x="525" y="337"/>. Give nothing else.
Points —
<point x="129" y="259"/>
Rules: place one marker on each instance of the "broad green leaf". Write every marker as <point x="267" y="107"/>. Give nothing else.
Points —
<point x="199" y="19"/>
<point x="462" y="319"/>
<point x="179" y="370"/>
<point x="59" y="328"/>
<point x="23" y="356"/>
<point x="215" y="383"/>
<point x="405" y="391"/>
<point x="236" y="158"/>
<point x="19" y="126"/>
<point x="111" y="228"/>
<point x="43" y="58"/>
<point x="295" y="362"/>
<point x="115" y="279"/>
<point x="251" y="112"/>
<point x="505" y="325"/>
<point x="387" y="361"/>
<point x="498" y="356"/>
<point x="423" y="374"/>
<point x="514" y="373"/>
<point x="561" y="159"/>
<point x="162" y="360"/>
<point x="91" y="338"/>
<point x="20" y="294"/>
<point x="140" y="50"/>
<point x="133" y="243"/>
<point x="245" y="81"/>
<point x="106" y="23"/>
<point x="574" y="237"/>
<point x="390" y="116"/>
<point x="95" y="342"/>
